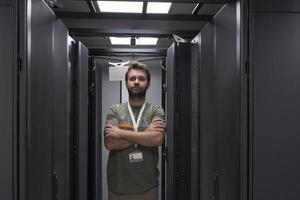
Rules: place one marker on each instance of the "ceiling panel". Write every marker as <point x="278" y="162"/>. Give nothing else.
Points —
<point x="75" y="6"/>
<point x="165" y="42"/>
<point x="209" y="9"/>
<point x="93" y="29"/>
<point x="102" y="42"/>
<point x="133" y="24"/>
<point x="94" y="41"/>
<point x="182" y="8"/>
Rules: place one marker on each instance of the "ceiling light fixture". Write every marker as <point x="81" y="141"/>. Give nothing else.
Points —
<point x="146" y="41"/>
<point x="158" y="7"/>
<point x="120" y="40"/>
<point x="120" y="6"/>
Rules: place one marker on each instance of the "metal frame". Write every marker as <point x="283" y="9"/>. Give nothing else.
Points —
<point x="126" y="51"/>
<point x="133" y="16"/>
<point x="95" y="32"/>
<point x="15" y="83"/>
<point x="98" y="133"/>
<point x="23" y="52"/>
<point x="197" y="8"/>
<point x="245" y="101"/>
<point x="91" y="6"/>
<point x="163" y="146"/>
<point x="174" y="1"/>
<point x="145" y="7"/>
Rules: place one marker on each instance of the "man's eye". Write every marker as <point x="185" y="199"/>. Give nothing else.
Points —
<point x="132" y="78"/>
<point x="142" y="78"/>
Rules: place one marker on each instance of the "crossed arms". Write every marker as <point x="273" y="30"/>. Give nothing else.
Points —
<point x="116" y="139"/>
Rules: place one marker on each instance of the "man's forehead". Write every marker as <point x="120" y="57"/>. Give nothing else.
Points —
<point x="133" y="72"/>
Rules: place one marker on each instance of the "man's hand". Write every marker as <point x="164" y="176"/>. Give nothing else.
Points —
<point x="156" y="125"/>
<point x="112" y="138"/>
<point x="111" y="131"/>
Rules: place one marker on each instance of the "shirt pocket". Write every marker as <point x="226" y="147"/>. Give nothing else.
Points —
<point x="125" y="122"/>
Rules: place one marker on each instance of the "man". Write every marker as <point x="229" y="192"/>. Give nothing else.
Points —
<point x="133" y="132"/>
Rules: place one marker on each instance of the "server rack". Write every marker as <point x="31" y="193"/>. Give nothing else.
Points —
<point x="180" y="149"/>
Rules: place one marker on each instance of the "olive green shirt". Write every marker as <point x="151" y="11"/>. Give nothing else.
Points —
<point x="124" y="177"/>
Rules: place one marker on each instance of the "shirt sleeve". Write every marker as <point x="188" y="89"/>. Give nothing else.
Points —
<point x="158" y="112"/>
<point x="112" y="116"/>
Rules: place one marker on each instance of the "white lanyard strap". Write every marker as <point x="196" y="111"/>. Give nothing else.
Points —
<point x="136" y="123"/>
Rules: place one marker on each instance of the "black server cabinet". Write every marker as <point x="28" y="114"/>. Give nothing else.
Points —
<point x="180" y="149"/>
<point x="227" y="94"/>
<point x="275" y="101"/>
<point x="40" y="74"/>
<point x="48" y="77"/>
<point x="207" y="112"/>
<point x="61" y="112"/>
<point x="8" y="80"/>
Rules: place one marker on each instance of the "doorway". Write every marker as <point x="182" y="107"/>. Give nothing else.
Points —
<point x="111" y="91"/>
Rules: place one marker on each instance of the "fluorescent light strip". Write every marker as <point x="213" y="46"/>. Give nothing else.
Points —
<point x="158" y="7"/>
<point x="120" y="40"/>
<point x="146" y="41"/>
<point x="120" y="6"/>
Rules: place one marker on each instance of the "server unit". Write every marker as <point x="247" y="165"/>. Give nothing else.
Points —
<point x="274" y="100"/>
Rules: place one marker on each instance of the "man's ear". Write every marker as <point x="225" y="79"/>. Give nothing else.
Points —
<point x="148" y="85"/>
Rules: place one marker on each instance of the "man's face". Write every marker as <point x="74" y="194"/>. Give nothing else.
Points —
<point x="137" y="83"/>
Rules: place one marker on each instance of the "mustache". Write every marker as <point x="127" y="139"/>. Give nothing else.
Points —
<point x="136" y="87"/>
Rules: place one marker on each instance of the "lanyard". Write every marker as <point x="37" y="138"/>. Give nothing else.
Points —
<point x="136" y="123"/>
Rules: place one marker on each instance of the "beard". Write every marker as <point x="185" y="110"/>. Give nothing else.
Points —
<point x="133" y="92"/>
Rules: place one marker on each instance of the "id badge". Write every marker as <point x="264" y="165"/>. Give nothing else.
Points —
<point x="136" y="156"/>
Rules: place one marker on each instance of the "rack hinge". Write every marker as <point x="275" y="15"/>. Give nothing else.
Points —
<point x="55" y="186"/>
<point x="247" y="67"/>
<point x="19" y="65"/>
<point x="164" y="154"/>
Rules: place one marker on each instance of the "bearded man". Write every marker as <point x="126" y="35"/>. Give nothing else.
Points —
<point x="132" y="133"/>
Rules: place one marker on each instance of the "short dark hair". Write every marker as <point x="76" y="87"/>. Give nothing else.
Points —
<point x="138" y="66"/>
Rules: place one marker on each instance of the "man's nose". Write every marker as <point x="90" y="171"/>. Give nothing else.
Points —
<point x="136" y="80"/>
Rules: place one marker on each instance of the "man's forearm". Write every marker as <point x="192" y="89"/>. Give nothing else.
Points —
<point x="145" y="138"/>
<point x="116" y="144"/>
